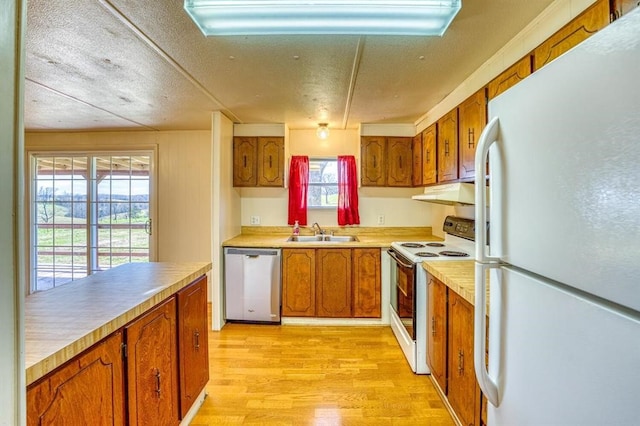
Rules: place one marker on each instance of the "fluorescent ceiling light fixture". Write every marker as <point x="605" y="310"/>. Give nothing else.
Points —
<point x="356" y="17"/>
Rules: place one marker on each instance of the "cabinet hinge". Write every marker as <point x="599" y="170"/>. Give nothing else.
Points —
<point x="123" y="347"/>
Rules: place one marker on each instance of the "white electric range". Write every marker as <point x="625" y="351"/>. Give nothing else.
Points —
<point x="408" y="313"/>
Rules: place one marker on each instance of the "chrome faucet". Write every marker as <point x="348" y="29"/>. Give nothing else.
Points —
<point x="320" y="230"/>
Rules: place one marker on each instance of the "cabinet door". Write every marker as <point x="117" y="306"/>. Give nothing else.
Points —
<point x="463" y="392"/>
<point x="245" y="152"/>
<point x="448" y="147"/>
<point x="152" y="366"/>
<point x="437" y="331"/>
<point x="373" y="161"/>
<point x="89" y="390"/>
<point x="271" y="161"/>
<point x="509" y="77"/>
<point x="333" y="283"/>
<point x="472" y="119"/>
<point x="416" y="148"/>
<point x="579" y="29"/>
<point x="193" y="342"/>
<point x="399" y="161"/>
<point x="366" y="283"/>
<point x="298" y="282"/>
<point x="622" y="7"/>
<point x="429" y="154"/>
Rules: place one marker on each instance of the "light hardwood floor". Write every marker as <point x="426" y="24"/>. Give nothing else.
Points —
<point x="298" y="375"/>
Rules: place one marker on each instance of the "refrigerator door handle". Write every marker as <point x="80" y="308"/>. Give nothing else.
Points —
<point x="488" y="137"/>
<point x="488" y="385"/>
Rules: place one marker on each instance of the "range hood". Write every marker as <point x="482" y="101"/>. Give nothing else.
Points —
<point x="449" y="194"/>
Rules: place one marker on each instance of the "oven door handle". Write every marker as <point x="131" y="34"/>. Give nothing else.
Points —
<point x="392" y="253"/>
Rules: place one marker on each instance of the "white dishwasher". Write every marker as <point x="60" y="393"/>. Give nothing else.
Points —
<point x="252" y="284"/>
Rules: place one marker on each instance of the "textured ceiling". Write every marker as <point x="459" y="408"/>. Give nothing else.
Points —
<point x="124" y="64"/>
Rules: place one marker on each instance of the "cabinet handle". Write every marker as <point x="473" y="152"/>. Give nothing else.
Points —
<point x="460" y="362"/>
<point x="157" y="383"/>
<point x="374" y="161"/>
<point x="400" y="162"/>
<point x="433" y="326"/>
<point x="270" y="164"/>
<point x="471" y="134"/>
<point x="446" y="147"/>
<point x="196" y="334"/>
<point x="428" y="156"/>
<point x="244" y="161"/>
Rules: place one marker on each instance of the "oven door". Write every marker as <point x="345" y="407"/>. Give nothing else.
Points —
<point x="403" y="287"/>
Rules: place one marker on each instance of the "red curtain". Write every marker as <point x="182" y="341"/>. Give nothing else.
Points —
<point x="347" y="191"/>
<point x="298" y="188"/>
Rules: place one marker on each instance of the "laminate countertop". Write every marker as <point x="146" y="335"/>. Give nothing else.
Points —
<point x="458" y="275"/>
<point x="276" y="237"/>
<point x="63" y="322"/>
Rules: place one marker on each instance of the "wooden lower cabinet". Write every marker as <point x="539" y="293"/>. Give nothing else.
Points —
<point x="299" y="282"/>
<point x="152" y="366"/>
<point x="366" y="283"/>
<point x="437" y="331"/>
<point x="450" y="351"/>
<point x="463" y="391"/>
<point x="88" y="390"/>
<point x="331" y="283"/>
<point x="193" y="342"/>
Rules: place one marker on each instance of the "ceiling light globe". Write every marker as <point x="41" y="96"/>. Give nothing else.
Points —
<point x="323" y="131"/>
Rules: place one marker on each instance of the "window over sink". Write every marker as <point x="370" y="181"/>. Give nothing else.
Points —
<point x="323" y="183"/>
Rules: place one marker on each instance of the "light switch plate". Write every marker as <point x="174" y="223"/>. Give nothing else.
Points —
<point x="255" y="220"/>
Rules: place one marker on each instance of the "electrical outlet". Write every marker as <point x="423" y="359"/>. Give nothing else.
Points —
<point x="380" y="219"/>
<point x="255" y="220"/>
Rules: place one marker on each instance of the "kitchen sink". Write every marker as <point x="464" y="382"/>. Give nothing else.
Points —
<point x="322" y="238"/>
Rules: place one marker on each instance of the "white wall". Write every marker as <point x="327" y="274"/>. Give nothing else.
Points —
<point x="225" y="203"/>
<point x="395" y="204"/>
<point x="12" y="369"/>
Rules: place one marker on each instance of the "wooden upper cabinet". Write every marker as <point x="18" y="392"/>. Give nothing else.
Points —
<point x="416" y="146"/>
<point x="89" y="390"/>
<point x="373" y="153"/>
<point x="448" y="146"/>
<point x="193" y="342"/>
<point x="437" y="331"/>
<point x="471" y="121"/>
<point x="298" y="282"/>
<point x="463" y="390"/>
<point x="258" y="161"/>
<point x="152" y="366"/>
<point x="245" y="167"/>
<point x="366" y="283"/>
<point x="579" y="29"/>
<point x="270" y="161"/>
<point x="399" y="161"/>
<point x="429" y="155"/>
<point x="333" y="283"/>
<point x="510" y="77"/>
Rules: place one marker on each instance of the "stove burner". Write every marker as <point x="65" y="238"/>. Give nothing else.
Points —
<point x="427" y="254"/>
<point x="412" y="245"/>
<point x="435" y="244"/>
<point x="451" y="253"/>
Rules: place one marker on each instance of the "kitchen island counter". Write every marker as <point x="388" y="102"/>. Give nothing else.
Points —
<point x="63" y="322"/>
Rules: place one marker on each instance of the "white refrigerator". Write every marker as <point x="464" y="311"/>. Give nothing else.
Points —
<point x="563" y="253"/>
